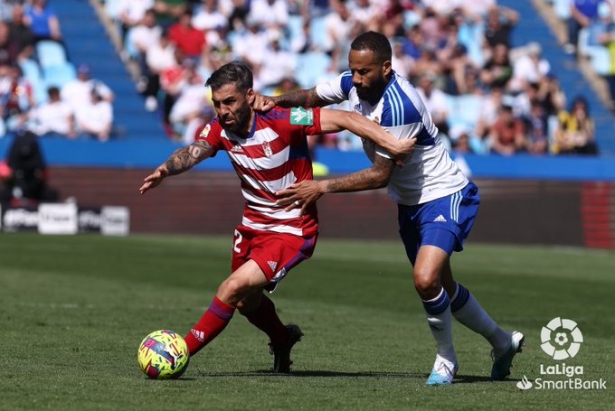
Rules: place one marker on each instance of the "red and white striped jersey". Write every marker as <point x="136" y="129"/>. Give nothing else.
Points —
<point x="274" y="156"/>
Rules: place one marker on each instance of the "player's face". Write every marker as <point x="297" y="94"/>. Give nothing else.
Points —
<point x="368" y="75"/>
<point x="234" y="108"/>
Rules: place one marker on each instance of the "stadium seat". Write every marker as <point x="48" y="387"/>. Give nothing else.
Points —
<point x="311" y="68"/>
<point x="49" y="53"/>
<point x="59" y="75"/>
<point x="32" y="73"/>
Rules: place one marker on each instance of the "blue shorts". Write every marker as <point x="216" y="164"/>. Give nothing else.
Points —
<point x="445" y="222"/>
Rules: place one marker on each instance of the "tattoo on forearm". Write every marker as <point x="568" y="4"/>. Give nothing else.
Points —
<point x="303" y="98"/>
<point x="187" y="157"/>
<point x="362" y="180"/>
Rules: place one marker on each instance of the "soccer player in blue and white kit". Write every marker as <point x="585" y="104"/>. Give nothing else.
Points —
<point x="437" y="204"/>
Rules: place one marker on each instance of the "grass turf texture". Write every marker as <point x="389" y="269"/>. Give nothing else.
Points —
<point x="74" y="309"/>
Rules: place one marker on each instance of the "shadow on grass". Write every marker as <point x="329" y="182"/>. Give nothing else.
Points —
<point x="309" y="374"/>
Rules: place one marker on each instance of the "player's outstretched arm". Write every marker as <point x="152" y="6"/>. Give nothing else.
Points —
<point x="332" y="121"/>
<point x="181" y="160"/>
<point x="305" y="193"/>
<point x="301" y="98"/>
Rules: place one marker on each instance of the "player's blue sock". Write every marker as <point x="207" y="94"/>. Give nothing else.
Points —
<point x="441" y="324"/>
<point x="467" y="311"/>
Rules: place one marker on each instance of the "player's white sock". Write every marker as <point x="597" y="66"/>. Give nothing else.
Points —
<point x="467" y="311"/>
<point x="440" y="322"/>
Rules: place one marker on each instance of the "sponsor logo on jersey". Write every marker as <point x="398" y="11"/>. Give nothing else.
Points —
<point x="301" y="117"/>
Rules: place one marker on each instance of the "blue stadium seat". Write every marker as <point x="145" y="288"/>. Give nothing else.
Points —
<point x="312" y="68"/>
<point x="32" y="73"/>
<point x="49" y="53"/>
<point x="59" y="75"/>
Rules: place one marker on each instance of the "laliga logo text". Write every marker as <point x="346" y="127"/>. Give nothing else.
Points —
<point x="561" y="339"/>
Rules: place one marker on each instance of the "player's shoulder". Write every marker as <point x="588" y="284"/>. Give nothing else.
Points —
<point x="294" y="116"/>
<point x="210" y="129"/>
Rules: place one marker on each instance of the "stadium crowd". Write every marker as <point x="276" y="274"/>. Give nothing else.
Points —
<point x="484" y="96"/>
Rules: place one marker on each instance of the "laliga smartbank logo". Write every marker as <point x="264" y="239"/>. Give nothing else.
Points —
<point x="561" y="340"/>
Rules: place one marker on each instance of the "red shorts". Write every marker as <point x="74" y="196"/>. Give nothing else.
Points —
<point x="276" y="254"/>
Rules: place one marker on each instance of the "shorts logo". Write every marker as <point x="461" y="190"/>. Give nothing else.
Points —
<point x="301" y="117"/>
<point x="440" y="219"/>
<point x="273" y="265"/>
<point x="561" y="338"/>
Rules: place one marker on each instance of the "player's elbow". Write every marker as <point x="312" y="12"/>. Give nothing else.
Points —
<point x="380" y="179"/>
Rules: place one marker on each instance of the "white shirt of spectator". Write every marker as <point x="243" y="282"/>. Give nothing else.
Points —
<point x="527" y="69"/>
<point x="52" y="117"/>
<point x="159" y="58"/>
<point x="205" y="20"/>
<point x="477" y="7"/>
<point x="337" y="30"/>
<point x="134" y="10"/>
<point x="77" y="92"/>
<point x="270" y="15"/>
<point x="436" y="103"/>
<point x="365" y="11"/>
<point x="276" y="65"/>
<point x="250" y="47"/>
<point x="143" y="37"/>
<point x="94" y="118"/>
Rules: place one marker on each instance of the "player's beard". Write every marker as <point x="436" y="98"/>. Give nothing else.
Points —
<point x="242" y="119"/>
<point x="373" y="92"/>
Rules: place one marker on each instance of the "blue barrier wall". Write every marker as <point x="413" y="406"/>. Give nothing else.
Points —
<point x="144" y="153"/>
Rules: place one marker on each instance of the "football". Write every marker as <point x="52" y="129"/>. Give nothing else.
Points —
<point x="163" y="354"/>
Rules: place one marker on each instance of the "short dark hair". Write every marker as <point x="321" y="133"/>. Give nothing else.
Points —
<point x="233" y="72"/>
<point x="376" y="42"/>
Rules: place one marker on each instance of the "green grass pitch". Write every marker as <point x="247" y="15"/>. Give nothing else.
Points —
<point x="74" y="309"/>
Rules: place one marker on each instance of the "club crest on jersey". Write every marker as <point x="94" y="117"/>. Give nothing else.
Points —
<point x="205" y="131"/>
<point x="301" y="117"/>
<point x="267" y="149"/>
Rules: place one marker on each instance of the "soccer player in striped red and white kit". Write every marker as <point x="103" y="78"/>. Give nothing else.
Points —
<point x="269" y="152"/>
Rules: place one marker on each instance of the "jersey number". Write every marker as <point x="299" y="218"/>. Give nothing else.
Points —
<point x="237" y="241"/>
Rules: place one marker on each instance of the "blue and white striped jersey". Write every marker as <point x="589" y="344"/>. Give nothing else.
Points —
<point x="430" y="172"/>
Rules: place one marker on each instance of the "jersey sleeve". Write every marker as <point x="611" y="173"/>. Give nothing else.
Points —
<point x="211" y="133"/>
<point x="337" y="89"/>
<point x="303" y="122"/>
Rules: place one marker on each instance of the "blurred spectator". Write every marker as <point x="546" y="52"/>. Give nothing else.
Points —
<point x="16" y="38"/>
<point x="43" y="21"/>
<point x="238" y="14"/>
<point x="402" y="63"/>
<point x="463" y="142"/>
<point x="582" y="14"/>
<point x="537" y="130"/>
<point x="529" y="67"/>
<point x="131" y="14"/>
<point x="435" y="102"/>
<point x="276" y="63"/>
<point x="270" y="14"/>
<point x="500" y="23"/>
<point x="498" y="70"/>
<point x="28" y="177"/>
<point x="207" y="17"/>
<point x="367" y="13"/>
<point x="172" y="79"/>
<point x="143" y="36"/>
<point x="339" y="26"/>
<point x="607" y="39"/>
<point x="78" y="92"/>
<point x="95" y="118"/>
<point x="490" y="110"/>
<point x="16" y="96"/>
<point x="5" y="178"/>
<point x="250" y="44"/>
<point x="507" y="135"/>
<point x="551" y="95"/>
<point x="53" y="118"/>
<point x="159" y="57"/>
<point x="168" y="11"/>
<point x="192" y="97"/>
<point x="187" y="37"/>
<point x="575" y="132"/>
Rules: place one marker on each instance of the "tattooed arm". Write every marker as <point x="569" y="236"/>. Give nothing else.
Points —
<point x="299" y="98"/>
<point x="307" y="192"/>
<point x="182" y="159"/>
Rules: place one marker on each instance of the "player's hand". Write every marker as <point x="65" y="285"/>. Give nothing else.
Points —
<point x="154" y="179"/>
<point x="263" y="103"/>
<point x="300" y="195"/>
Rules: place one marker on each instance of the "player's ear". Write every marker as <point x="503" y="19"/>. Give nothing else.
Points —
<point x="386" y="68"/>
<point x="250" y="96"/>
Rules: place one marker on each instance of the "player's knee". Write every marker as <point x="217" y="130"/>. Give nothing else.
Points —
<point x="427" y="284"/>
<point x="232" y="290"/>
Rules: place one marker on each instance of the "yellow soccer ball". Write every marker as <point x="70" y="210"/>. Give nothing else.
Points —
<point x="163" y="354"/>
